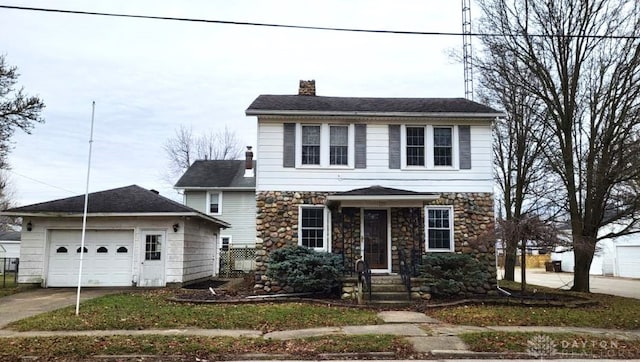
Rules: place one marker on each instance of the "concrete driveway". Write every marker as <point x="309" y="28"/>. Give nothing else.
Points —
<point x="26" y="304"/>
<point x="623" y="287"/>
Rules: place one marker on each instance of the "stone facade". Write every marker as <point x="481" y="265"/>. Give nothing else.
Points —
<point x="277" y="226"/>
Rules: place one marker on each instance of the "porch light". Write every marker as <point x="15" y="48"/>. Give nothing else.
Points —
<point x="176" y="227"/>
<point x="29" y="226"/>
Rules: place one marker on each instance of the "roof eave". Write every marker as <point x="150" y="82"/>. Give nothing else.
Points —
<point x="215" y="188"/>
<point x="381" y="197"/>
<point x="221" y="223"/>
<point x="265" y="112"/>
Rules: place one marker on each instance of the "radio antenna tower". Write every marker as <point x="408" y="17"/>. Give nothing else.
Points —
<point x="467" y="56"/>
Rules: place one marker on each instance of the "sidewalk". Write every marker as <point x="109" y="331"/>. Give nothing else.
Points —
<point x="426" y="334"/>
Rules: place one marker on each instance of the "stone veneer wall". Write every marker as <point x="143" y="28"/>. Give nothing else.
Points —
<point x="277" y="226"/>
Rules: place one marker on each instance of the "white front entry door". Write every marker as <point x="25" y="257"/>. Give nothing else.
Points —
<point x="152" y="271"/>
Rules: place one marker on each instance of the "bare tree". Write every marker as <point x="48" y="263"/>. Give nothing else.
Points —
<point x="184" y="148"/>
<point x="7" y="223"/>
<point x="582" y="61"/>
<point x="518" y="142"/>
<point x="18" y="111"/>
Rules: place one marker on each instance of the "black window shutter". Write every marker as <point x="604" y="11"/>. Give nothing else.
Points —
<point x="394" y="146"/>
<point x="361" y="146"/>
<point x="464" y="140"/>
<point x="289" y="143"/>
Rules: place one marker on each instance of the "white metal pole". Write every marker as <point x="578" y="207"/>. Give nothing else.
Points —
<point x="84" y="215"/>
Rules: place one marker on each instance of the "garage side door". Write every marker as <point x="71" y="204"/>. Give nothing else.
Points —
<point x="628" y="261"/>
<point x="108" y="258"/>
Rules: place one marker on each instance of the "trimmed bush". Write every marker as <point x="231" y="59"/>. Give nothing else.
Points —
<point x="304" y="269"/>
<point x="454" y="274"/>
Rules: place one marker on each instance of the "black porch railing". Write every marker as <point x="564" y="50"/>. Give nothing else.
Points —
<point x="365" y="276"/>
<point x="406" y="270"/>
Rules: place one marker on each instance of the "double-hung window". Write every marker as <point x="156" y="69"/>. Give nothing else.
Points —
<point x="339" y="145"/>
<point x="442" y="146"/>
<point x="415" y="146"/>
<point x="215" y="203"/>
<point x="439" y="228"/>
<point x="325" y="145"/>
<point x="311" y="145"/>
<point x="428" y="146"/>
<point x="311" y="231"/>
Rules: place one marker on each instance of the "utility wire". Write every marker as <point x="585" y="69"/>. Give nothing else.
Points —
<point x="304" y="27"/>
<point x="41" y="182"/>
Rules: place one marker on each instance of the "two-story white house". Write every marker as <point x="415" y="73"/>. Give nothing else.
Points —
<point x="370" y="177"/>
<point x="226" y="189"/>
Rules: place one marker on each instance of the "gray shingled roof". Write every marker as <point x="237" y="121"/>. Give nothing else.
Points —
<point x="216" y="173"/>
<point x="380" y="191"/>
<point x="320" y="104"/>
<point x="124" y="200"/>
<point x="10" y="235"/>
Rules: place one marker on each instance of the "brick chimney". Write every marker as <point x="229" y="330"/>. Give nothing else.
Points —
<point x="248" y="163"/>
<point x="307" y="88"/>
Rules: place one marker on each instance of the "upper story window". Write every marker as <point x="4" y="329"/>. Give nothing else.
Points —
<point x="311" y="145"/>
<point x="215" y="203"/>
<point x="339" y="145"/>
<point x="415" y="146"/>
<point x="429" y="146"/>
<point x="311" y="228"/>
<point x="439" y="229"/>
<point x="325" y="145"/>
<point x="442" y="146"/>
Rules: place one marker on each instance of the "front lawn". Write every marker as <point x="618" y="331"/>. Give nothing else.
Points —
<point x="82" y="347"/>
<point x="610" y="312"/>
<point x="150" y="310"/>
<point x="550" y="344"/>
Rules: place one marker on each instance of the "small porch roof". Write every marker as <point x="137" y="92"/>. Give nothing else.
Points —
<point x="379" y="196"/>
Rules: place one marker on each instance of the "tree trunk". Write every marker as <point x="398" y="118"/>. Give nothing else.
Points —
<point x="583" y="256"/>
<point x="509" y="261"/>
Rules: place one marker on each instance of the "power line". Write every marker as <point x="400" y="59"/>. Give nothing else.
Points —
<point x="41" y="182"/>
<point x="305" y="27"/>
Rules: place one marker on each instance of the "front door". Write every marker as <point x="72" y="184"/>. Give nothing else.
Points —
<point x="376" y="246"/>
<point x="153" y="255"/>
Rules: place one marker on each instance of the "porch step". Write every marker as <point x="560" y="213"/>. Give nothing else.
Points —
<point x="388" y="290"/>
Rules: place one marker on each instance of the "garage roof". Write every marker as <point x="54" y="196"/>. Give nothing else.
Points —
<point x="129" y="200"/>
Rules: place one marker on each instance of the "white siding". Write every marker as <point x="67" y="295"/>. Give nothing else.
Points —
<point x="200" y="246"/>
<point x="272" y="176"/>
<point x="196" y="200"/>
<point x="238" y="209"/>
<point x="34" y="244"/>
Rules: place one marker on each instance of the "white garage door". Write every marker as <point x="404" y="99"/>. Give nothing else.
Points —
<point x="107" y="261"/>
<point x="628" y="261"/>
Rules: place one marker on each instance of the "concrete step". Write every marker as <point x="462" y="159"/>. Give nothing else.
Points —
<point x="386" y="279"/>
<point x="376" y="288"/>
<point x="390" y="296"/>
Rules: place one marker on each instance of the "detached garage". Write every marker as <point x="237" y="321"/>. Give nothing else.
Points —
<point x="628" y="261"/>
<point x="133" y="237"/>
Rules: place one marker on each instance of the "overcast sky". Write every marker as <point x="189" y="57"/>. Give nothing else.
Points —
<point x="147" y="77"/>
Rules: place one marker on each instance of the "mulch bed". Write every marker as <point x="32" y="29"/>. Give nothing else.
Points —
<point x="237" y="291"/>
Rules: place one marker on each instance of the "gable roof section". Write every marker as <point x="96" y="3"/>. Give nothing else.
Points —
<point x="316" y="105"/>
<point x="216" y="174"/>
<point x="380" y="193"/>
<point x="128" y="200"/>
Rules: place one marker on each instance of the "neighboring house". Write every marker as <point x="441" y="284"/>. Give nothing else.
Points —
<point x="367" y="177"/>
<point x="225" y="189"/>
<point x="9" y="250"/>
<point x="134" y="237"/>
